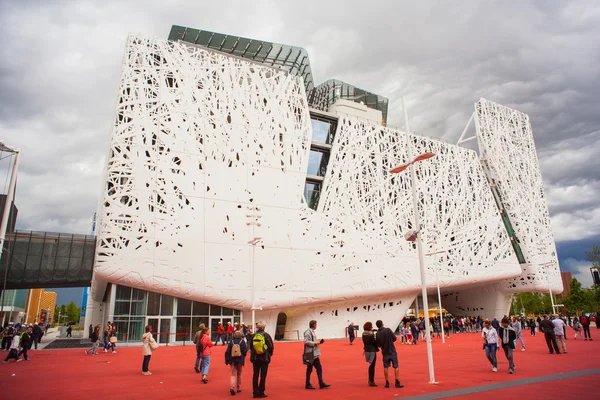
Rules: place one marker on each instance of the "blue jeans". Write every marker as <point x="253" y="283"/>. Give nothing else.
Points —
<point x="205" y="365"/>
<point x="520" y="338"/>
<point x="490" y="353"/>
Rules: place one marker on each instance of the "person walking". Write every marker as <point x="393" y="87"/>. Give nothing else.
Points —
<point x="351" y="335"/>
<point x="112" y="339"/>
<point x="585" y="325"/>
<point x="203" y="348"/>
<point x="547" y="327"/>
<point x="9" y="333"/>
<point x="229" y="332"/>
<point x="576" y="327"/>
<point x="69" y="330"/>
<point x="94" y="338"/>
<point x="106" y="336"/>
<point x="235" y="356"/>
<point x="385" y="341"/>
<point x="261" y="352"/>
<point x="13" y="351"/>
<point x="508" y="337"/>
<point x="559" y="333"/>
<point x="532" y="326"/>
<point x="197" y="339"/>
<point x="518" y="328"/>
<point x="26" y="342"/>
<point x="148" y="346"/>
<point x="370" y="349"/>
<point x="490" y="340"/>
<point x="220" y="334"/>
<point x="37" y="334"/>
<point x="313" y="345"/>
<point x="414" y="330"/>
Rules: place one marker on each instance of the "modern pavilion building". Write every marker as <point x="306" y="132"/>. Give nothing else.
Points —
<point x="233" y="183"/>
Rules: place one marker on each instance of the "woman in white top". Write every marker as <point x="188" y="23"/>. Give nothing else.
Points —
<point x="149" y="345"/>
<point x="490" y="340"/>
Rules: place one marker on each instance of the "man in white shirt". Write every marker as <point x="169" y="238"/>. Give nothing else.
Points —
<point x="559" y="332"/>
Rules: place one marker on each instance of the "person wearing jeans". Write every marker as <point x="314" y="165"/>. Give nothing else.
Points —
<point x="370" y="348"/>
<point x="203" y="349"/>
<point x="148" y="346"/>
<point x="94" y="337"/>
<point x="509" y="337"/>
<point x="490" y="340"/>
<point x="559" y="333"/>
<point x="516" y="325"/>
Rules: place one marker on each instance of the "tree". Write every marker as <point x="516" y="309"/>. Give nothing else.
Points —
<point x="531" y="303"/>
<point x="72" y="312"/>
<point x="579" y="299"/>
<point x="594" y="256"/>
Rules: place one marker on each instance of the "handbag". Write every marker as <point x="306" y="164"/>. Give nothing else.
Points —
<point x="308" y="358"/>
<point x="153" y="345"/>
<point x="113" y="339"/>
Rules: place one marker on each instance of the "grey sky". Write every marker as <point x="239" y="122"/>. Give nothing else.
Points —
<point x="61" y="63"/>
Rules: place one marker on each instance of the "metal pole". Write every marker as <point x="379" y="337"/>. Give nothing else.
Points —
<point x="419" y="249"/>
<point x="437" y="279"/>
<point x="28" y="305"/>
<point x="417" y="305"/>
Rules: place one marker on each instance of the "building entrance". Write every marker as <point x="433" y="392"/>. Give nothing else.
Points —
<point x="161" y="328"/>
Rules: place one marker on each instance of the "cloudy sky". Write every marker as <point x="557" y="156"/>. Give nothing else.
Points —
<point x="61" y="63"/>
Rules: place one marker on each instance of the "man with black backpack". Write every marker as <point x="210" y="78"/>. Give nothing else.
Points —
<point x="261" y="351"/>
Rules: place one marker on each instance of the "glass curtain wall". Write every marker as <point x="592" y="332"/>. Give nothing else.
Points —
<point x="133" y="306"/>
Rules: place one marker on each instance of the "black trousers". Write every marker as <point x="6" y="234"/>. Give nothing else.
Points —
<point x="24" y="352"/>
<point x="260" y="368"/>
<point x="309" y="369"/>
<point x="372" y="369"/>
<point x="586" y="331"/>
<point x="551" y="342"/>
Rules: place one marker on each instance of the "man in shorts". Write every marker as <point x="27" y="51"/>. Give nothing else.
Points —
<point x="385" y="341"/>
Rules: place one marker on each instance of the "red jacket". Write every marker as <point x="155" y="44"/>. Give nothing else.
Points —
<point x="220" y="329"/>
<point x="229" y="329"/>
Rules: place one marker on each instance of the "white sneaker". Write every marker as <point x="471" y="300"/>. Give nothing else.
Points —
<point x="114" y="352"/>
<point x="105" y="351"/>
<point x="523" y="349"/>
<point x="494" y="369"/>
<point x="86" y="352"/>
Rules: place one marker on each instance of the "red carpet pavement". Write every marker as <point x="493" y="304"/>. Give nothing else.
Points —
<point x="460" y="363"/>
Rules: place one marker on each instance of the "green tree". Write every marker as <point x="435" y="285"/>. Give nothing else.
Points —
<point x="594" y="256"/>
<point x="72" y="312"/>
<point x="579" y="299"/>
<point x="531" y="303"/>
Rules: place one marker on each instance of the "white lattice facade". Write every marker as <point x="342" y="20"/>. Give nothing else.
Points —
<point x="209" y="152"/>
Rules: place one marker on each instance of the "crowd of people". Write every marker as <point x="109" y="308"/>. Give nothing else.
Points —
<point x="18" y="339"/>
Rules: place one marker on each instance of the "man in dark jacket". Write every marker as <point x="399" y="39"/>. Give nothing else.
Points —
<point x="351" y="335"/>
<point x="508" y="337"/>
<point x="548" y="328"/>
<point x="26" y="342"/>
<point x="37" y="334"/>
<point x="9" y="333"/>
<point x="261" y="351"/>
<point x="385" y="341"/>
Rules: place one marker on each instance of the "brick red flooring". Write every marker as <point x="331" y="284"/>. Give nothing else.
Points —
<point x="460" y="363"/>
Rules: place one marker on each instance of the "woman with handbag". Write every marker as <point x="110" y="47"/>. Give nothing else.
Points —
<point x="149" y="345"/>
<point x="113" y="338"/>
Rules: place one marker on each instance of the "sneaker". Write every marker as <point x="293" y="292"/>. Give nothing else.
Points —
<point x="145" y="373"/>
<point x="19" y="360"/>
<point x="232" y="392"/>
<point x="105" y="351"/>
<point x="5" y="362"/>
<point x="494" y="369"/>
<point x="510" y="370"/>
<point x="86" y="352"/>
<point x="114" y="352"/>
<point x="523" y="349"/>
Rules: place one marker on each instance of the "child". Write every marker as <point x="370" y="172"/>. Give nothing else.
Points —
<point x="508" y="337"/>
<point x="14" y="350"/>
<point x="409" y="336"/>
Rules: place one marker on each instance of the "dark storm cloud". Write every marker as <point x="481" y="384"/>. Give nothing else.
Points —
<point x="61" y="64"/>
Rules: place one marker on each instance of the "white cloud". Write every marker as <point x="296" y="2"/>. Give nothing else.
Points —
<point x="580" y="270"/>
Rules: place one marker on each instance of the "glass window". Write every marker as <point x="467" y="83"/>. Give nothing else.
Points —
<point x="183" y="328"/>
<point x="216" y="310"/>
<point x="317" y="163"/>
<point x="236" y="312"/>
<point x="196" y="321"/>
<point x="122" y="324"/>
<point x="166" y="305"/>
<point x="123" y="293"/>
<point x="320" y="131"/>
<point x="201" y="308"/>
<point x="136" y="328"/>
<point x="153" y="303"/>
<point x="122" y="307"/>
<point x="184" y="307"/>
<point x="227" y="311"/>
<point x="312" y="191"/>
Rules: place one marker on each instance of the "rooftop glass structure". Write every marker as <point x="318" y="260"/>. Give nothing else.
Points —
<point x="328" y="92"/>
<point x="289" y="58"/>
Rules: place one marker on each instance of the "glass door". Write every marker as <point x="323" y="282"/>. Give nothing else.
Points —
<point x="214" y="325"/>
<point x="161" y="329"/>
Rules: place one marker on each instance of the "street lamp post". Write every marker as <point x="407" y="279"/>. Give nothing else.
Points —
<point x="437" y="281"/>
<point x="417" y="227"/>
<point x="253" y="217"/>
<point x="547" y="266"/>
